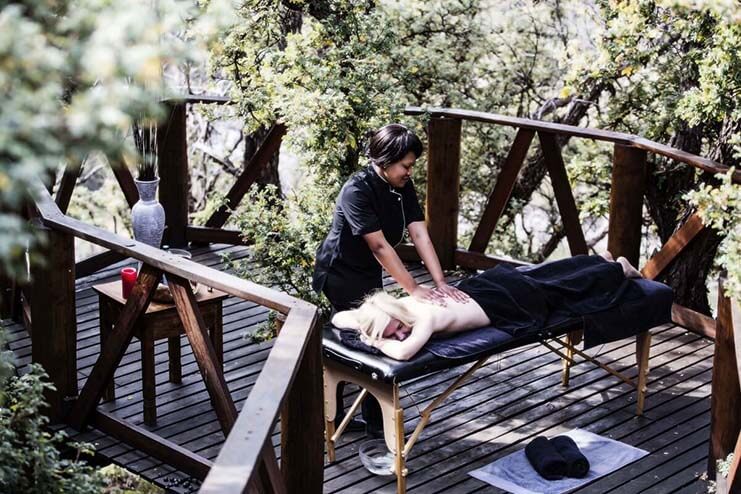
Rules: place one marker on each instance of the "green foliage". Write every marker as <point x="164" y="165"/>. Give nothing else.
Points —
<point x="334" y="69"/>
<point x="674" y="71"/>
<point x="286" y="234"/>
<point x="30" y="461"/>
<point x="720" y="208"/>
<point x="75" y="75"/>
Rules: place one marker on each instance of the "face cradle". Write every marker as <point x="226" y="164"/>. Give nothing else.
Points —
<point x="396" y="330"/>
<point x="398" y="174"/>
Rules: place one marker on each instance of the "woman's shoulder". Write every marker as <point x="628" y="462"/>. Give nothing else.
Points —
<point x="358" y="182"/>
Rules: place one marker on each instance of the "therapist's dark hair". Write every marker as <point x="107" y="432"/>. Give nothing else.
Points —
<point x="391" y="143"/>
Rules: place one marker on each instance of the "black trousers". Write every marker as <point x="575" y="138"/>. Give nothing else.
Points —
<point x="345" y="293"/>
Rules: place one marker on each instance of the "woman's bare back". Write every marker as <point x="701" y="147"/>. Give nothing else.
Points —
<point x="451" y="318"/>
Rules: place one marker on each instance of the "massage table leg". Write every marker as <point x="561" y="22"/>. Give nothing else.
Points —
<point x="643" y="348"/>
<point x="399" y="463"/>
<point x="572" y="339"/>
<point x="392" y="412"/>
<point x="331" y="381"/>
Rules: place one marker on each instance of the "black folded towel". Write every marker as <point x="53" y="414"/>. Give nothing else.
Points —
<point x="577" y="465"/>
<point x="544" y="458"/>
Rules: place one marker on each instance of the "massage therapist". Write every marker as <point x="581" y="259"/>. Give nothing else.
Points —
<point x="373" y="208"/>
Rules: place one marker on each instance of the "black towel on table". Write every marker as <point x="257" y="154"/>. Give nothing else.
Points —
<point x="577" y="464"/>
<point x="545" y="459"/>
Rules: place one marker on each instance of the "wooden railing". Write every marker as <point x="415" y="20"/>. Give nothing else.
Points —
<point x="290" y="381"/>
<point x="291" y="376"/>
<point x="626" y="194"/>
<point x="624" y="233"/>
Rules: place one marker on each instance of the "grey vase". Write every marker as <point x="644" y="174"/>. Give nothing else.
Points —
<point x="148" y="215"/>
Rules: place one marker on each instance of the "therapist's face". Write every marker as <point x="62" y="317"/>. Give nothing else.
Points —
<point x="398" y="174"/>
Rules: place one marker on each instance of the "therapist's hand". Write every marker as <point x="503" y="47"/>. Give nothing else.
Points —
<point x="428" y="295"/>
<point x="452" y="292"/>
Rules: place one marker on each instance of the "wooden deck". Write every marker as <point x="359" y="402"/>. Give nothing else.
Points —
<point x="512" y="399"/>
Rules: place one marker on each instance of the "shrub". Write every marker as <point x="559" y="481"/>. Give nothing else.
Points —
<point x="30" y="458"/>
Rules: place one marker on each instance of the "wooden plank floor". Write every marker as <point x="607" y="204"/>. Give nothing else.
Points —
<point x="514" y="398"/>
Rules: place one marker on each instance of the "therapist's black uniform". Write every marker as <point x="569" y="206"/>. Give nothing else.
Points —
<point x="346" y="270"/>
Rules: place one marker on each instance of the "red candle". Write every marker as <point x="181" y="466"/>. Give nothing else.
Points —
<point x="128" y="280"/>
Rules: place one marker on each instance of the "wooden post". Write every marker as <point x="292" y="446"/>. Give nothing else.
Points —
<point x="302" y="422"/>
<point x="725" y="400"/>
<point x="9" y="297"/>
<point x="54" y="337"/>
<point x="624" y="228"/>
<point x="443" y="184"/>
<point x="626" y="203"/>
<point x="172" y="149"/>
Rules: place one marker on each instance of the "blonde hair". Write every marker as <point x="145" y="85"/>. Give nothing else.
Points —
<point x="375" y="313"/>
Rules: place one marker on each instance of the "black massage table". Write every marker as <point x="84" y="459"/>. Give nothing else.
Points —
<point x="381" y="376"/>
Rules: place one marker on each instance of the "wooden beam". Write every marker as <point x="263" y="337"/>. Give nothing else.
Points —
<point x="655" y="266"/>
<point x="193" y="99"/>
<point x="477" y="260"/>
<point x="249" y="175"/>
<point x="96" y="262"/>
<point x="207" y="235"/>
<point x="152" y="444"/>
<point x="562" y="191"/>
<point x="54" y="339"/>
<point x="499" y="196"/>
<point x="26" y="314"/>
<point x="443" y="187"/>
<point x="626" y="203"/>
<point x="203" y="350"/>
<point x="584" y="132"/>
<point x="67" y="185"/>
<point x="694" y="321"/>
<point x="160" y="259"/>
<point x="463" y="258"/>
<point x="125" y="181"/>
<point x="302" y="422"/>
<point x="9" y="297"/>
<point x="270" y="473"/>
<point x="115" y="346"/>
<point x="172" y="152"/>
<point x="725" y="399"/>
<point x="237" y="465"/>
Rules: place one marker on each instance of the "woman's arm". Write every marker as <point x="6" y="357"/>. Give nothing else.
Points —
<point x="389" y="259"/>
<point x="421" y="240"/>
<point x="404" y="350"/>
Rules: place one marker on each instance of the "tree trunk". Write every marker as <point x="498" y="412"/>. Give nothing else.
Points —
<point x="290" y="23"/>
<point x="665" y="205"/>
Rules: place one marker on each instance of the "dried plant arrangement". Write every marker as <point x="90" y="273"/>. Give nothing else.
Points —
<point x="145" y="141"/>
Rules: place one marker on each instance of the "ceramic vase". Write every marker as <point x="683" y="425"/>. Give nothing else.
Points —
<point x="148" y="215"/>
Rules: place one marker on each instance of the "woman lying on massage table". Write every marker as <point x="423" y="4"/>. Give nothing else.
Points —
<point x="507" y="298"/>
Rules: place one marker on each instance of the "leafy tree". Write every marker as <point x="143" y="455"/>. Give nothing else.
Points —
<point x="75" y="74"/>
<point x="354" y="65"/>
<point x="673" y="71"/>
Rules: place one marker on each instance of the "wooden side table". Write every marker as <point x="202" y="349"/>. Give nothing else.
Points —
<point x="160" y="321"/>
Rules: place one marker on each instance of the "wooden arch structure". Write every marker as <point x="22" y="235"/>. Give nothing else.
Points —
<point x="290" y="381"/>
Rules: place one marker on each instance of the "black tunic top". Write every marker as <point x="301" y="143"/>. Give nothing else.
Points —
<point x="366" y="204"/>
